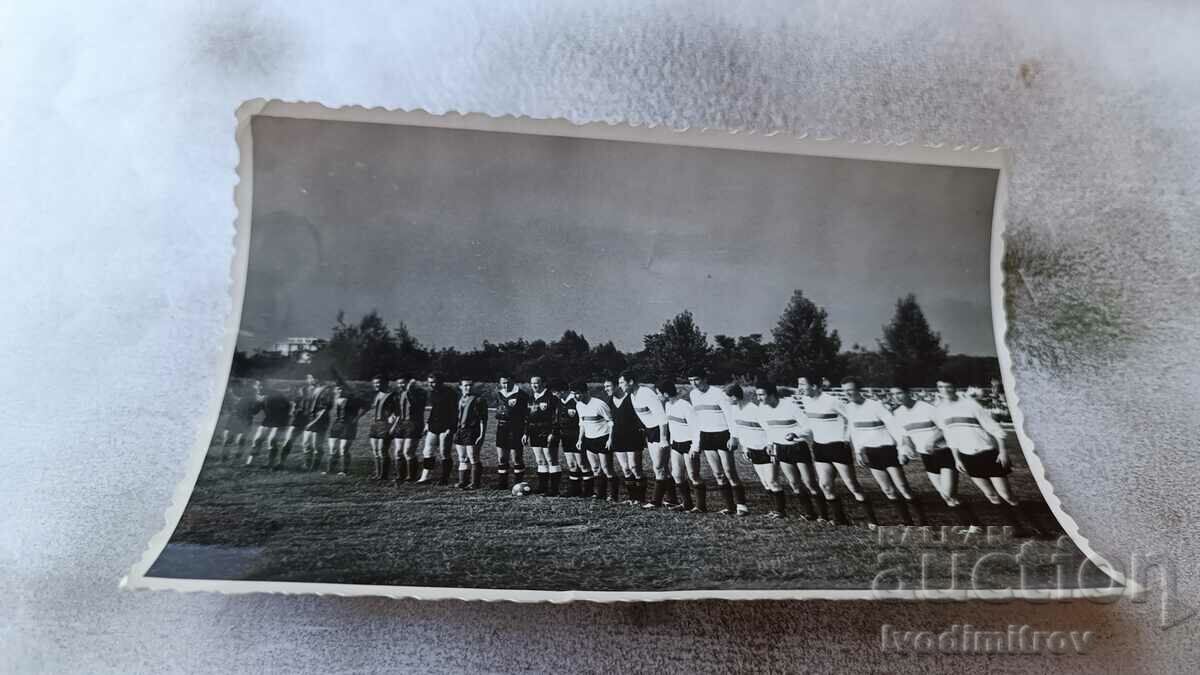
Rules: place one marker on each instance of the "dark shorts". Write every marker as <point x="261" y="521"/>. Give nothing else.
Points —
<point x="439" y="426"/>
<point x="938" y="459"/>
<point x="882" y="457"/>
<point x="759" y="456"/>
<point x="343" y="431"/>
<point x="320" y="425"/>
<point x="409" y="430"/>
<point x="714" y="440"/>
<point x="596" y="445"/>
<point x="508" y="436"/>
<point x="832" y="453"/>
<point x="380" y="429"/>
<point x="654" y="435"/>
<point x="983" y="465"/>
<point x="279" y="421"/>
<point x="567" y="440"/>
<point x="299" y="421"/>
<point x="682" y="447"/>
<point x="539" y="438"/>
<point x="794" y="454"/>
<point x="629" y="442"/>
<point x="466" y="436"/>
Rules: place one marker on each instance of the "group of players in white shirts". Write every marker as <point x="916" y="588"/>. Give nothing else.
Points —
<point x="799" y="444"/>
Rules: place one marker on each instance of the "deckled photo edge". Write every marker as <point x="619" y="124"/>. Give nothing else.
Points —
<point x="939" y="154"/>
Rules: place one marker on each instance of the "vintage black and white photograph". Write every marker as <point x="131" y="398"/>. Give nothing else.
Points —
<point x="524" y="360"/>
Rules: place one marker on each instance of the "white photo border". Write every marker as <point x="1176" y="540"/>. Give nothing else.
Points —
<point x="940" y="154"/>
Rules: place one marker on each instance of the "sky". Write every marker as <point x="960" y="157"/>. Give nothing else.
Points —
<point x="470" y="235"/>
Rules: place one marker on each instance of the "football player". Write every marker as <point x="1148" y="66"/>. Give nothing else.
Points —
<point x="831" y="453"/>
<point x="595" y="425"/>
<point x="711" y="414"/>
<point x="539" y="435"/>
<point x="512" y="409"/>
<point x="915" y="419"/>
<point x="685" y="447"/>
<point x="566" y="435"/>
<point x="628" y="442"/>
<point x="244" y="403"/>
<point x="408" y="429"/>
<point x="649" y="408"/>
<point x="790" y="444"/>
<point x="751" y="438"/>
<point x="277" y="409"/>
<point x="875" y="439"/>
<point x="345" y="410"/>
<point x="384" y="409"/>
<point x="977" y="442"/>
<point x="468" y="435"/>
<point x="314" y="401"/>
<point x="443" y="416"/>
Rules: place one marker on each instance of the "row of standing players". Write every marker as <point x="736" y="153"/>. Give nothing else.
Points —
<point x="800" y="444"/>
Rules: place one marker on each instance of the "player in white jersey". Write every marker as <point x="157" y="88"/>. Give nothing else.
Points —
<point x="831" y="451"/>
<point x="876" y="442"/>
<point x="595" y="426"/>
<point x="748" y="433"/>
<point x="685" y="448"/>
<point x="915" y="420"/>
<point x="649" y="409"/>
<point x="977" y="442"/>
<point x="790" y="445"/>
<point x="711" y="410"/>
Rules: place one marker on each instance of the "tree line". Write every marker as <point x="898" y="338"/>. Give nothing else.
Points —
<point x="908" y="350"/>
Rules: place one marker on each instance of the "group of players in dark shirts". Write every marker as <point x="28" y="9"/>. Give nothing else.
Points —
<point x="803" y="443"/>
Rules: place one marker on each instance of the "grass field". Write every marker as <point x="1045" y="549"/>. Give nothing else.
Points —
<point x="248" y="523"/>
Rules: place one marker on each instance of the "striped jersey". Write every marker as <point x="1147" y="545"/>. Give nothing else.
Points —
<point x="824" y="414"/>
<point x="711" y="410"/>
<point x="679" y="421"/>
<point x="595" y="417"/>
<point x="871" y="424"/>
<point x="784" y="419"/>
<point x="917" y="423"/>
<point x="747" y="428"/>
<point x="648" y="408"/>
<point x="968" y="427"/>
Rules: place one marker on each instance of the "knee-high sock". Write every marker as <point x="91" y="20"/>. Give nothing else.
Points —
<point x="587" y="480"/>
<point x="839" y="512"/>
<point x="869" y="509"/>
<point x="918" y="510"/>
<point x="822" y="505"/>
<point x="660" y="488"/>
<point x="806" y="502"/>
<point x="414" y="468"/>
<point x="543" y="481"/>
<point x="701" y="495"/>
<point x="601" y="481"/>
<point x="672" y="493"/>
<point x="476" y="476"/>
<point x="902" y="510"/>
<point x="780" y="501"/>
<point x="346" y="461"/>
<point x="686" y="492"/>
<point x="464" y="474"/>
<point x="555" y="485"/>
<point x="739" y="494"/>
<point x="727" y="493"/>
<point x="614" y="487"/>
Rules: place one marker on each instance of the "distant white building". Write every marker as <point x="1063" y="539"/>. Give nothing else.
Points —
<point x="300" y="347"/>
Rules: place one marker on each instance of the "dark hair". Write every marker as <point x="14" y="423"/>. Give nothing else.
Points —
<point x="851" y="379"/>
<point x="735" y="391"/>
<point x="435" y="375"/>
<point x="903" y="385"/>
<point x="948" y="380"/>
<point x="629" y="376"/>
<point x="579" y="387"/>
<point x="668" y="387"/>
<point x="379" y="377"/>
<point x="698" y="372"/>
<point x="503" y="376"/>
<point x="810" y="377"/>
<point x="768" y="387"/>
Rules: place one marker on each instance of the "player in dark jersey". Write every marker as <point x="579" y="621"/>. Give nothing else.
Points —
<point x="628" y="443"/>
<point x="276" y="408"/>
<point x="345" y="410"/>
<point x="443" y="416"/>
<point x="243" y="403"/>
<point x="297" y="419"/>
<point x="512" y="410"/>
<point x="384" y="409"/>
<point x="539" y="435"/>
<point x="408" y="429"/>
<point x="468" y="436"/>
<point x="566" y="435"/>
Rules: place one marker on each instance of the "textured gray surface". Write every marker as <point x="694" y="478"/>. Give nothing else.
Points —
<point x="117" y="168"/>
